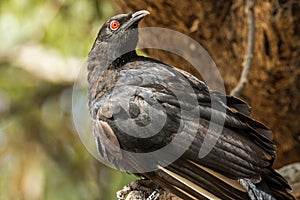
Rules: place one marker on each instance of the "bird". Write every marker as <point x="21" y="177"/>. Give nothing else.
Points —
<point x="139" y="105"/>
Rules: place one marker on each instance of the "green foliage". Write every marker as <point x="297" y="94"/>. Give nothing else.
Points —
<point x="67" y="25"/>
<point x="41" y="155"/>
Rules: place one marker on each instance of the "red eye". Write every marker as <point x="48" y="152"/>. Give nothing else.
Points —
<point x="114" y="25"/>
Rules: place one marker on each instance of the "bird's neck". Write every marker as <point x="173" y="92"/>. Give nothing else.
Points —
<point x="120" y="61"/>
<point x="101" y="61"/>
<point x="108" y="58"/>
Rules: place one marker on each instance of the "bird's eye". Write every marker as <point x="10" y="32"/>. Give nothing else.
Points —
<point x="114" y="25"/>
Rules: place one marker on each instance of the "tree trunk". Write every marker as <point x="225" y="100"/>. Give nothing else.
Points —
<point x="221" y="28"/>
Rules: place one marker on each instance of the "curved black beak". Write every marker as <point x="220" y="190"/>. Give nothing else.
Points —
<point x="135" y="18"/>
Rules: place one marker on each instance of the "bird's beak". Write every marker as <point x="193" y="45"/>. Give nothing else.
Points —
<point x="139" y="15"/>
<point x="136" y="17"/>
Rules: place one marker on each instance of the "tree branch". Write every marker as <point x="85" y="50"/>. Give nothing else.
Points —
<point x="144" y="190"/>
<point x="250" y="50"/>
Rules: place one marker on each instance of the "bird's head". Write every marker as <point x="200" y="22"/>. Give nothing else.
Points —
<point x="120" y="32"/>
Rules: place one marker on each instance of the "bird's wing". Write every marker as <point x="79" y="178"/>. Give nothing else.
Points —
<point x="230" y="101"/>
<point x="173" y="91"/>
<point x="152" y="103"/>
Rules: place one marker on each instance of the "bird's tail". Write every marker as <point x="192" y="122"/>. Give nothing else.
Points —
<point x="189" y="180"/>
<point x="192" y="181"/>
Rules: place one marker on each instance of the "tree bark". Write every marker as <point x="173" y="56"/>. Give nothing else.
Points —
<point x="221" y="28"/>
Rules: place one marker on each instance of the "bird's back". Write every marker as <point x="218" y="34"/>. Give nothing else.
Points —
<point x="147" y="103"/>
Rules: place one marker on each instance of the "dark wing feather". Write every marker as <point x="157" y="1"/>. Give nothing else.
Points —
<point x="148" y="90"/>
<point x="230" y="101"/>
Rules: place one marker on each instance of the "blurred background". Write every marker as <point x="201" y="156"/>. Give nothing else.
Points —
<point x="44" y="43"/>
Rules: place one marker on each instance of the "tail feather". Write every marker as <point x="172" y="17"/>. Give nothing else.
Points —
<point x="189" y="186"/>
<point x="197" y="182"/>
<point x="277" y="184"/>
<point x="175" y="184"/>
<point x="213" y="182"/>
<point x="190" y="180"/>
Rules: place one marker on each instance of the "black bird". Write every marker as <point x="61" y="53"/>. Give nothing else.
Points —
<point x="140" y="105"/>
